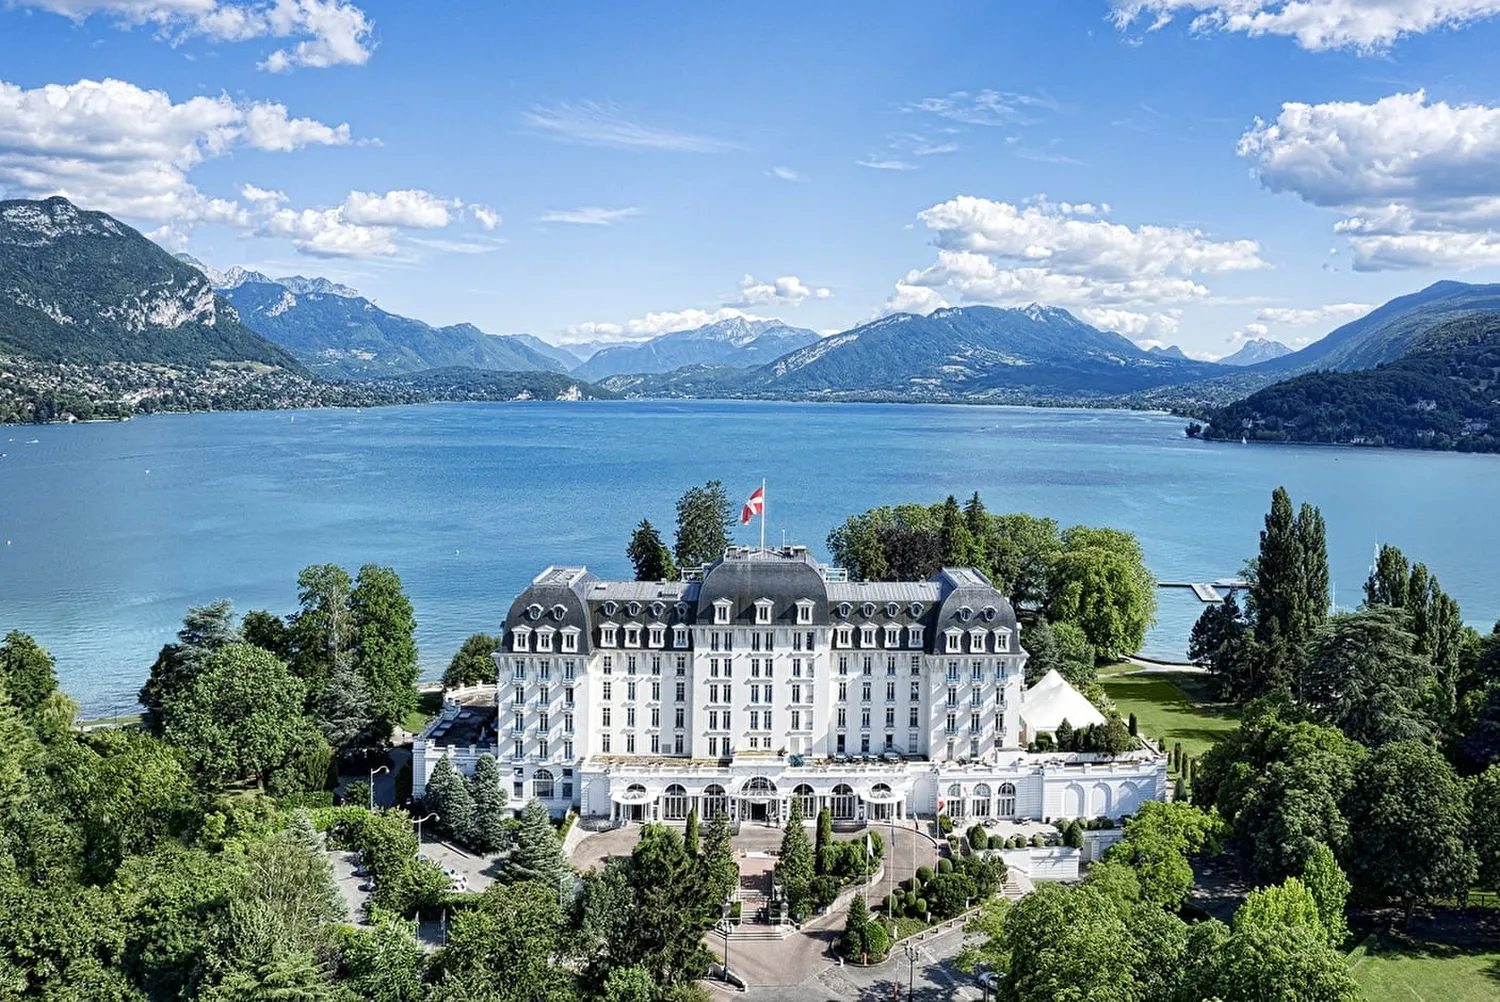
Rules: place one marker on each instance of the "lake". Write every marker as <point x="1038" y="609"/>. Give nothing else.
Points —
<point x="108" y="532"/>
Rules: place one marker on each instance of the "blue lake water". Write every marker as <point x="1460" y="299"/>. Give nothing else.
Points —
<point x="108" y="532"/>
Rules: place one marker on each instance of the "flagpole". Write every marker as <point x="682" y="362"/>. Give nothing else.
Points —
<point x="762" y="515"/>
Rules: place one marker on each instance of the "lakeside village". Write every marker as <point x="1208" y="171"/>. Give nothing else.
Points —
<point x="926" y="767"/>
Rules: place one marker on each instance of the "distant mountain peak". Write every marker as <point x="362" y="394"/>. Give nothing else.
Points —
<point x="235" y="276"/>
<point x="1166" y="351"/>
<point x="1257" y="349"/>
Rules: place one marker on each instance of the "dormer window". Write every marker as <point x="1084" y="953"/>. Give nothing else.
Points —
<point x="544" y="639"/>
<point x="953" y="641"/>
<point x="914" y="610"/>
<point x="679" y="636"/>
<point x="721" y="610"/>
<point x="763" y="610"/>
<point x="804" y="611"/>
<point x="844" y="609"/>
<point x="893" y="608"/>
<point x="570" y="640"/>
<point x="559" y="611"/>
<point x="657" y="636"/>
<point x="976" y="641"/>
<point x="868" y="609"/>
<point x="965" y="613"/>
<point x="892" y="635"/>
<point x="843" y="636"/>
<point x="632" y="635"/>
<point x="867" y="636"/>
<point x="633" y="608"/>
<point x="914" y="635"/>
<point x="1002" y="641"/>
<point x="682" y="610"/>
<point x="609" y="607"/>
<point x="989" y="613"/>
<point x="607" y="634"/>
<point x="534" y="611"/>
<point x="657" y="608"/>
<point x="520" y="639"/>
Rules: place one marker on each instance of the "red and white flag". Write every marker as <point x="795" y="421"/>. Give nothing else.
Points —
<point x="755" y="506"/>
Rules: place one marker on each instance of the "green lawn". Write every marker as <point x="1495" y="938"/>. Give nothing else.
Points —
<point x="1172" y="706"/>
<point x="1420" y="972"/>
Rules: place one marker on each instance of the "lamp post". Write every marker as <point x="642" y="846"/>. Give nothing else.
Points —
<point x="419" y="828"/>
<point x="911" y="958"/>
<point x="724" y="927"/>
<point x="373" y="773"/>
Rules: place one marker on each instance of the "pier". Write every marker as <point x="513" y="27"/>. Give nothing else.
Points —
<point x="1209" y="591"/>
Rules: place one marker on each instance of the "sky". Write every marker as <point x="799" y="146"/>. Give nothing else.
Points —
<point x="1193" y="172"/>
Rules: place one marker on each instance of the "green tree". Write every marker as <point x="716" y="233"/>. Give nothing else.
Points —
<point x="205" y="629"/>
<point x="487" y="795"/>
<point x="1485" y="835"/>
<point x="343" y="710"/>
<point x="240" y="718"/>
<point x="650" y="556"/>
<point x="1388" y="578"/>
<point x="1100" y="584"/>
<point x="511" y="947"/>
<point x="704" y="518"/>
<point x="1325" y="880"/>
<point x="1282" y="964"/>
<point x="1362" y="677"/>
<point x="823" y="845"/>
<point x="721" y="874"/>
<point x="1021" y="557"/>
<point x="385" y="964"/>
<point x="385" y="652"/>
<point x="1070" y="943"/>
<point x="982" y="531"/>
<point x="858" y="547"/>
<point x="288" y="902"/>
<point x="855" y="941"/>
<point x="795" y="866"/>
<point x="630" y="984"/>
<point x="1286" y="904"/>
<point x="1289" y="579"/>
<point x="670" y="906"/>
<point x="960" y="549"/>
<point x="448" y="796"/>
<point x="1408" y="819"/>
<point x="472" y="665"/>
<point x="690" y="834"/>
<point x="27" y="672"/>
<point x="537" y="852"/>
<point x="268" y="632"/>
<point x="321" y="632"/>
<point x="1156" y="844"/>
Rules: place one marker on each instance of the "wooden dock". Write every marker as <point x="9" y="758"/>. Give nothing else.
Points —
<point x="1208" y="591"/>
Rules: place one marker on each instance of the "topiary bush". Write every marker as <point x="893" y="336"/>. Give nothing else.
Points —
<point x="945" y="865"/>
<point x="893" y="906"/>
<point x="979" y="839"/>
<point x="921" y="906"/>
<point x="924" y="874"/>
<point x="945" y="824"/>
<point x="1037" y="841"/>
<point x="879" y="940"/>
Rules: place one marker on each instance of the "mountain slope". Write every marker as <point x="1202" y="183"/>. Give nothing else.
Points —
<point x="1442" y="394"/>
<point x="562" y="356"/>
<point x="974" y="352"/>
<point x="1256" y="350"/>
<point x="1387" y="332"/>
<point x="737" y="341"/>
<point x="82" y="287"/>
<point x="340" y="336"/>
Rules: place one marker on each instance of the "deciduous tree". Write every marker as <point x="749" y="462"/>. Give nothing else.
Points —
<point x="385" y="651"/>
<point x="27" y="672"/>
<point x="205" y="629"/>
<point x="473" y="665"/>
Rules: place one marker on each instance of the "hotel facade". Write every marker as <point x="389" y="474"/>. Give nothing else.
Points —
<point x="766" y="677"/>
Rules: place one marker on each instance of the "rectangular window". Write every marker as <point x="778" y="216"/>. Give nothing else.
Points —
<point x="544" y="669"/>
<point x="519" y="750"/>
<point x="796" y="693"/>
<point x="913" y="715"/>
<point x="658" y="636"/>
<point x="952" y="723"/>
<point x="607" y="636"/>
<point x="629" y="716"/>
<point x="544" y="641"/>
<point x="953" y="671"/>
<point x="607" y="689"/>
<point x="976" y="671"/>
<point x="916" y="664"/>
<point x="864" y="744"/>
<point x="893" y="636"/>
<point x="541" y="747"/>
<point x="864" y="718"/>
<point x="681" y="691"/>
<point x="796" y="720"/>
<point x="656" y="690"/>
<point x="721" y="612"/>
<point x="544" y="721"/>
<point x="1002" y="641"/>
<point x="520" y="724"/>
<point x="754" y="641"/>
<point x="518" y="695"/>
<point x="604" y="716"/>
<point x="713" y="720"/>
<point x="916" y="692"/>
<point x="656" y="664"/>
<point x="568" y="722"/>
<point x="913" y="636"/>
<point x="843" y="717"/>
<point x="632" y="662"/>
<point x="890" y="664"/>
<point x="568" y="754"/>
<point x="713" y="694"/>
<point x="568" y="695"/>
<point x="810" y="636"/>
<point x="655" y="716"/>
<point x="976" y="696"/>
<point x="520" y="640"/>
<point x="630" y="743"/>
<point x="867" y="665"/>
<point x="952" y="696"/>
<point x="843" y="690"/>
<point x="954" y="642"/>
<point x="865" y="693"/>
<point x="630" y="691"/>
<point x="655" y="744"/>
<point x="713" y="746"/>
<point x="604" y="743"/>
<point x="569" y="668"/>
<point x="974" y="721"/>
<point x="796" y="667"/>
<point x="713" y="641"/>
<point x="840" y="746"/>
<point x="681" y="713"/>
<point x="843" y="664"/>
<point x="804" y="612"/>
<point x="867" y="636"/>
<point x="519" y="671"/>
<point x="755" y="667"/>
<point x="754" y="720"/>
<point x="677" y="744"/>
<point x="679" y="636"/>
<point x="681" y="665"/>
<point x="890" y="716"/>
<point x="570" y="641"/>
<point x="632" y="636"/>
<point x="890" y="692"/>
<point x="607" y="666"/>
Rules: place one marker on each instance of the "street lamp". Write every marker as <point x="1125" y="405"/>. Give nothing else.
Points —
<point x="419" y="828"/>
<point x="373" y="774"/>
<point x="911" y="958"/>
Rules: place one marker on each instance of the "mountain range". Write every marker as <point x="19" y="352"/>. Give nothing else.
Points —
<point x="738" y="341"/>
<point x="81" y="287"/>
<point x="1255" y="350"/>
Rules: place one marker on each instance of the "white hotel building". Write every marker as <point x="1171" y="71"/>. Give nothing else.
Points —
<point x="767" y="677"/>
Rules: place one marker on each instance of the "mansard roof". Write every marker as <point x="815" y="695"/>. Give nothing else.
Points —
<point x="746" y="576"/>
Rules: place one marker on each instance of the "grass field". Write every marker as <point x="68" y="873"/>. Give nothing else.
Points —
<point x="1172" y="706"/>
<point x="1419" y="973"/>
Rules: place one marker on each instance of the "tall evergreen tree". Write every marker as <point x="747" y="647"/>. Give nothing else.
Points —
<point x="823" y="847"/>
<point x="1388" y="579"/>
<point x="794" y="866"/>
<point x="205" y="629"/>
<point x="385" y="653"/>
<point x="537" y="853"/>
<point x="448" y="796"/>
<point x="1312" y="540"/>
<point x="721" y="875"/>
<point x="690" y="834"/>
<point x="343" y="710"/>
<point x="981" y="530"/>
<point x="1276" y="587"/>
<point x="959" y="547"/>
<point x="487" y="833"/>
<point x="649" y="555"/>
<point x="704" y="518"/>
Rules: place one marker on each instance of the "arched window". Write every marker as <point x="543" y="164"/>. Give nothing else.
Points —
<point x="714" y="802"/>
<point x="674" y="803"/>
<point x="955" y="805"/>
<point x="1007" y="806"/>
<point x="541" y="784"/>
<point x="759" y="787"/>
<point x="844" y="802"/>
<point x="981" y="801"/>
<point x="807" y="800"/>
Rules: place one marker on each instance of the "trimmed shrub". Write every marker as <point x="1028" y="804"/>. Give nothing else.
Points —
<point x="924" y="874"/>
<point x="945" y="865"/>
<point x="979" y="839"/>
<point x="893" y="906"/>
<point x="945" y="824"/>
<point x="1037" y="841"/>
<point x="921" y="906"/>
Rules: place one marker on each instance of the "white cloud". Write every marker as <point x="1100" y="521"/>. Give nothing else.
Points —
<point x="262" y="198"/>
<point x="113" y="146"/>
<point x="987" y="107"/>
<point x="653" y="324"/>
<point x="328" y="233"/>
<point x="1063" y="254"/>
<point x="1129" y="322"/>
<point x="886" y="164"/>
<point x="788" y="289"/>
<point x="1333" y="315"/>
<point x="786" y="174"/>
<point x="1248" y="333"/>
<point x="588" y="215"/>
<point x="1419" y="182"/>
<point x="410" y="208"/>
<point x="590" y="123"/>
<point x="485" y="216"/>
<point x="267" y="127"/>
<point x="1366" y="25"/>
<point x="329" y="32"/>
